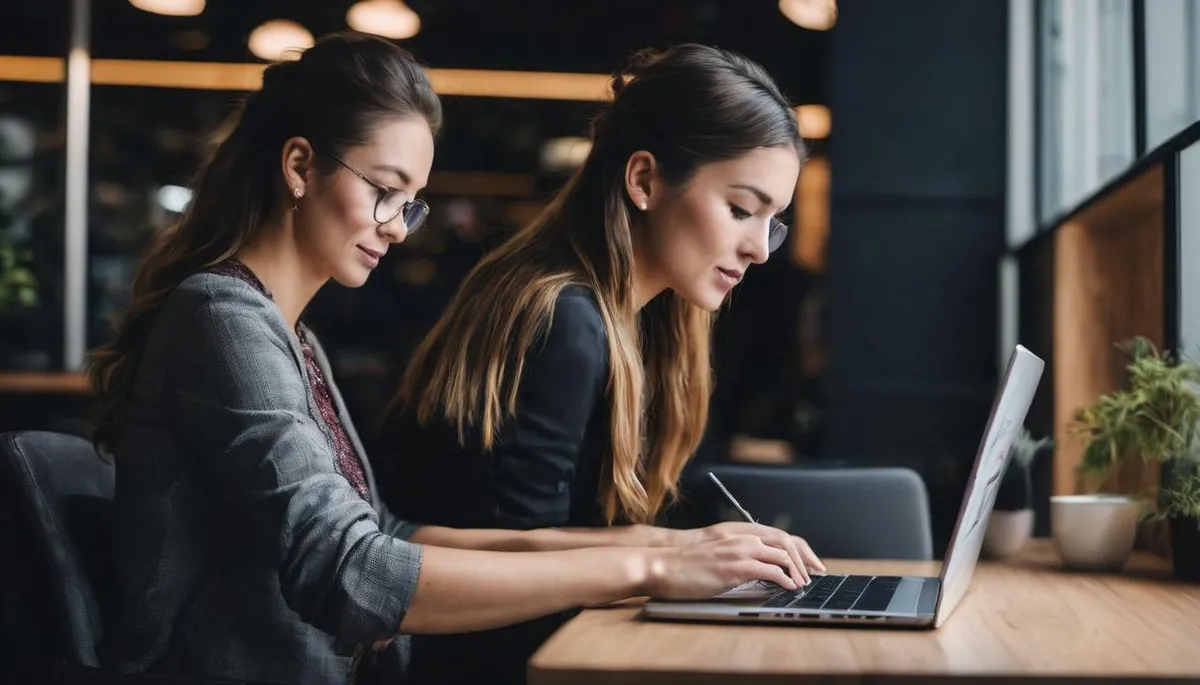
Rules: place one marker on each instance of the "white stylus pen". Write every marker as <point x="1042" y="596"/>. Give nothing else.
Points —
<point x="729" y="496"/>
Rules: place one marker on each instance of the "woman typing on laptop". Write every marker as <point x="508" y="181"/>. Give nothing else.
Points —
<point x="568" y="382"/>
<point x="251" y="542"/>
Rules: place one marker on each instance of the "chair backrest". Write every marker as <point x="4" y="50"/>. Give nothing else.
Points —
<point x="848" y="513"/>
<point x="63" y="493"/>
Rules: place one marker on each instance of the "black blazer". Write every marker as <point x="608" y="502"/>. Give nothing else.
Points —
<point x="544" y="472"/>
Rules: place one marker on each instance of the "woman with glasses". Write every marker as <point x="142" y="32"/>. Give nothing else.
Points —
<point x="568" y="382"/>
<point x="251" y="543"/>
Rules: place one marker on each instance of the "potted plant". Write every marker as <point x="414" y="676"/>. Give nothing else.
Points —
<point x="1156" y="419"/>
<point x="18" y="289"/>
<point x="1011" y="523"/>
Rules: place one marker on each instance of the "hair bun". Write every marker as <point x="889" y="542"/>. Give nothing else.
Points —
<point x="634" y="65"/>
<point x="279" y="73"/>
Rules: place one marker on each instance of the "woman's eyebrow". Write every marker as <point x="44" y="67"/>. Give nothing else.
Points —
<point x="762" y="196"/>
<point x="758" y="192"/>
<point x="405" y="179"/>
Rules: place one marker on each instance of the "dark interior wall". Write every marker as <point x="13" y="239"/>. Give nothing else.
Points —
<point x="918" y="95"/>
<point x="1035" y="330"/>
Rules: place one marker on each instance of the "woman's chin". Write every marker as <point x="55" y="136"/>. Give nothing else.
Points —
<point x="708" y="299"/>
<point x="354" y="277"/>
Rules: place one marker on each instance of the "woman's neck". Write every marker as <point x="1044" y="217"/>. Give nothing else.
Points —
<point x="647" y="283"/>
<point x="276" y="261"/>
<point x="643" y="291"/>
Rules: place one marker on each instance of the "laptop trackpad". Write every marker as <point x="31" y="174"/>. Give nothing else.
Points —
<point x="906" y="597"/>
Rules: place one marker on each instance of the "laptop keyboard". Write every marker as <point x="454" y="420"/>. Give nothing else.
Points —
<point x="839" y="593"/>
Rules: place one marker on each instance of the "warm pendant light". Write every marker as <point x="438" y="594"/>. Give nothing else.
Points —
<point x="817" y="15"/>
<point x="387" y="18"/>
<point x="279" y="39"/>
<point x="171" y="8"/>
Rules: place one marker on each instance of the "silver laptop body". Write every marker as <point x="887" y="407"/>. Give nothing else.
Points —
<point x="895" y="600"/>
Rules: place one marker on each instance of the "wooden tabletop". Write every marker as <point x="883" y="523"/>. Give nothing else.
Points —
<point x="1022" y="621"/>
<point x="44" y="383"/>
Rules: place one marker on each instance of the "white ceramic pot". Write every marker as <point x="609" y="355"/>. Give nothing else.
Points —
<point x="1007" y="532"/>
<point x="1094" y="532"/>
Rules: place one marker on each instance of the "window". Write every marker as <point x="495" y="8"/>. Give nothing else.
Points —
<point x="1087" y="103"/>
<point x="145" y="144"/>
<point x="30" y="226"/>
<point x="1172" y="74"/>
<point x="1189" y="252"/>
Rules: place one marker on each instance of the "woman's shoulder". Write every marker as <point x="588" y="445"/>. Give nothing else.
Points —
<point x="213" y="328"/>
<point x="229" y="294"/>
<point x="578" y="291"/>
<point x="576" y="328"/>
<point x="576" y="308"/>
<point x="235" y="308"/>
<point x="213" y="286"/>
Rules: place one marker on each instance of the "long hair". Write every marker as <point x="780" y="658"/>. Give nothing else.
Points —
<point x="334" y="95"/>
<point x="688" y="106"/>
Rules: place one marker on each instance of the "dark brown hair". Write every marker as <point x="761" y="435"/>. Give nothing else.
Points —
<point x="689" y="106"/>
<point x="334" y="95"/>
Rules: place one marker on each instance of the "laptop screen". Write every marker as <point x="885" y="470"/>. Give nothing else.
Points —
<point x="1012" y="402"/>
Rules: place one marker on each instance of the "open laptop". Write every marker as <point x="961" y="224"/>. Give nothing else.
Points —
<point x="895" y="600"/>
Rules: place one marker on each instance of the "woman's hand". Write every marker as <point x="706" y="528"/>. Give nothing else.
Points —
<point x="708" y="568"/>
<point x="804" y="560"/>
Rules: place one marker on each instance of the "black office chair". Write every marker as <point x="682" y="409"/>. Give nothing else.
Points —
<point x="56" y="495"/>
<point x="59" y="493"/>
<point x="846" y="513"/>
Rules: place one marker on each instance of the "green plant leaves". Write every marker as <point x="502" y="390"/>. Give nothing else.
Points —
<point x="18" y="285"/>
<point x="1155" y="419"/>
<point x="1181" y="495"/>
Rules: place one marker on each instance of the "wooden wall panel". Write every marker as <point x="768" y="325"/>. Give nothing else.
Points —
<point x="1108" y="288"/>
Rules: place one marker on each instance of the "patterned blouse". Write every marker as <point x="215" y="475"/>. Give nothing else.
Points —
<point x="347" y="460"/>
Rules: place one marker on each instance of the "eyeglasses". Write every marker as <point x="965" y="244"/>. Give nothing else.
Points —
<point x="777" y="235"/>
<point x="390" y="203"/>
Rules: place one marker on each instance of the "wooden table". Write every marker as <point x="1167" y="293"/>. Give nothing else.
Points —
<point x="1021" y="622"/>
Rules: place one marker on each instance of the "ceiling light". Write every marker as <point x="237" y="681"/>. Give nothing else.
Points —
<point x="171" y="8"/>
<point x="818" y="15"/>
<point x="279" y="39"/>
<point x="387" y="18"/>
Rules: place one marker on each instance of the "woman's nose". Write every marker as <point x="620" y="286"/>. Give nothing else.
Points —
<point x="394" y="231"/>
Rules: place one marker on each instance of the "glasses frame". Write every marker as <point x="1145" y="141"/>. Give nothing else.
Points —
<point x="777" y="235"/>
<point x="381" y="192"/>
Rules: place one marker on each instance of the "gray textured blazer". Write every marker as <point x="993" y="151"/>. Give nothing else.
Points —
<point x="242" y="552"/>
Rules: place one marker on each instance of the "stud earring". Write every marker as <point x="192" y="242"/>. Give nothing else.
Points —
<point x="643" y="206"/>
<point x="296" y="203"/>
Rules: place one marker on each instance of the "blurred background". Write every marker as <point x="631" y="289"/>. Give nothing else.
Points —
<point x="954" y="145"/>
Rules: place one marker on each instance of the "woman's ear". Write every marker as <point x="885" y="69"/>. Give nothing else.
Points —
<point x="642" y="183"/>
<point x="297" y="161"/>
